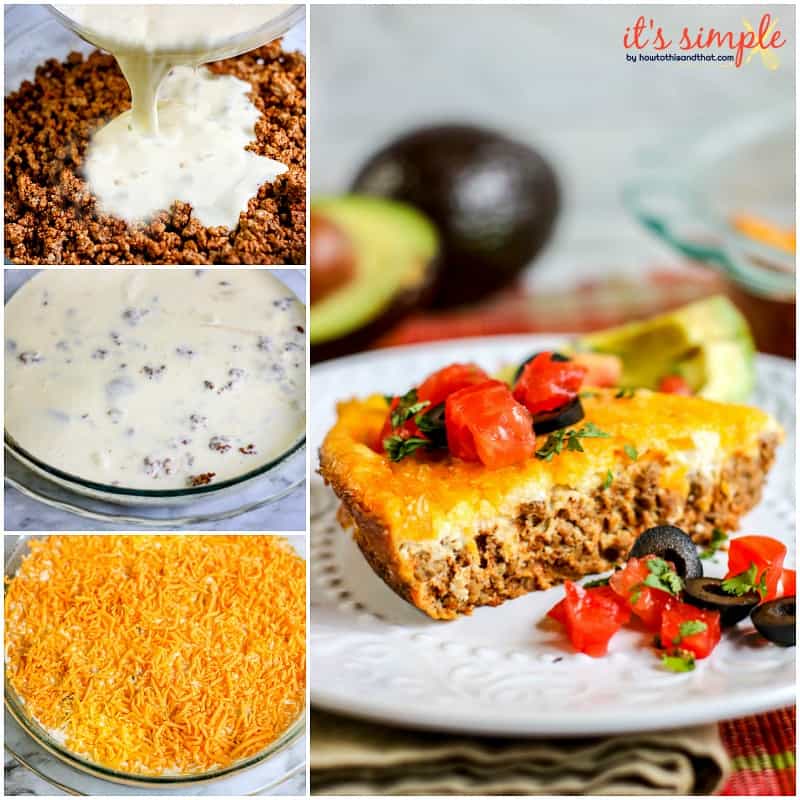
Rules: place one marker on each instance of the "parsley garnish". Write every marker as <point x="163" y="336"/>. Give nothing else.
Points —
<point x="746" y="581"/>
<point x="609" y="480"/>
<point x="397" y="448"/>
<point x="689" y="628"/>
<point x="718" y="538"/>
<point x="630" y="451"/>
<point x="678" y="661"/>
<point x="407" y="408"/>
<point x="625" y="392"/>
<point x="431" y="422"/>
<point x="560" y="439"/>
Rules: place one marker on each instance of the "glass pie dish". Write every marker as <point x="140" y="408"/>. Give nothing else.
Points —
<point x="257" y="487"/>
<point x="15" y="706"/>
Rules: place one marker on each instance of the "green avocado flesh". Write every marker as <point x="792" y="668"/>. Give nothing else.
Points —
<point x="708" y="343"/>
<point x="394" y="245"/>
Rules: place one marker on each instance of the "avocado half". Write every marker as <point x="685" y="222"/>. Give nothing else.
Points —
<point x="708" y="343"/>
<point x="395" y="251"/>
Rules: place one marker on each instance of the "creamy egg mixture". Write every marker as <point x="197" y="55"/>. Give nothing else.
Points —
<point x="155" y="379"/>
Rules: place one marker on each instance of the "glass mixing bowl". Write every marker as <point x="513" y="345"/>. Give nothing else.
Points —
<point x="16" y="707"/>
<point x="688" y="193"/>
<point x="234" y="46"/>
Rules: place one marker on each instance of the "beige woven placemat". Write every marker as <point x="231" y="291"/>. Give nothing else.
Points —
<point x="351" y="757"/>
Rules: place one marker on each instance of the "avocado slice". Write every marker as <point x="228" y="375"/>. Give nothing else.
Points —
<point x="395" y="250"/>
<point x="708" y="343"/>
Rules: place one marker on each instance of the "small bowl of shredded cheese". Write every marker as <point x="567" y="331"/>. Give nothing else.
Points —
<point x="157" y="659"/>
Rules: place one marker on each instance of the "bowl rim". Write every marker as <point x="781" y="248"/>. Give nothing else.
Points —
<point x="15" y="706"/>
<point x="120" y="492"/>
<point x="231" y="47"/>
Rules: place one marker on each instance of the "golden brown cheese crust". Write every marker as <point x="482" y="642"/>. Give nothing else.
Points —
<point x="448" y="535"/>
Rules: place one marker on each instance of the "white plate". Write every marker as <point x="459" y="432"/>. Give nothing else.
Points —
<point x="496" y="672"/>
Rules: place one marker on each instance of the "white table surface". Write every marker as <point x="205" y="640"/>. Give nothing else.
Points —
<point x="25" y="514"/>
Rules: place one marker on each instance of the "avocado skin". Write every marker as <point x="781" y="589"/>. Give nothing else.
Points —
<point x="493" y="200"/>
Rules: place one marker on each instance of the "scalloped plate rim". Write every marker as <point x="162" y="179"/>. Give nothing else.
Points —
<point x="334" y="696"/>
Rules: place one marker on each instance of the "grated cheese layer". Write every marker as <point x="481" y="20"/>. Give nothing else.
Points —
<point x="159" y="654"/>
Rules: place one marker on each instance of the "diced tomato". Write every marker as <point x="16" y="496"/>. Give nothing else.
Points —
<point x="436" y="388"/>
<point x="602" y="369"/>
<point x="763" y="551"/>
<point x="485" y="423"/>
<point x="674" y="384"/>
<point x="545" y="385"/>
<point x="676" y="613"/>
<point x="590" y="616"/>
<point x="406" y="430"/>
<point x="788" y="584"/>
<point x="645" y="601"/>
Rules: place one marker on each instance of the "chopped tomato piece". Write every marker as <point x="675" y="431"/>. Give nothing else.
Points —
<point x="679" y="615"/>
<point x="591" y="617"/>
<point x="646" y="602"/>
<point x="545" y="385"/>
<point x="674" y="384"/>
<point x="485" y="423"/>
<point x="602" y="369"/>
<point x="763" y="551"/>
<point x="788" y="584"/>
<point x="436" y="388"/>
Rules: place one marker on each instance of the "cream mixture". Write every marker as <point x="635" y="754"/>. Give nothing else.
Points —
<point x="155" y="379"/>
<point x="185" y="135"/>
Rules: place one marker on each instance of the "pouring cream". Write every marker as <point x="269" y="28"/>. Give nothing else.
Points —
<point x="186" y="133"/>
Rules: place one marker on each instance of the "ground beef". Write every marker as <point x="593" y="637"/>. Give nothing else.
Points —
<point x="50" y="216"/>
<point x="565" y="537"/>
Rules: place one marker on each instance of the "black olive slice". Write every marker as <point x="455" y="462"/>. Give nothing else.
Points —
<point x="775" y="621"/>
<point x="673" y="545"/>
<point x="554" y="357"/>
<point x="549" y="421"/>
<point x="708" y="593"/>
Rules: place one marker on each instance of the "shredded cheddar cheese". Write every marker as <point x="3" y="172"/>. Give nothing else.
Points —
<point x="159" y="654"/>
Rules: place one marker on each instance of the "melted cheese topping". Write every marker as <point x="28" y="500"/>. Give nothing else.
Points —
<point x="159" y="654"/>
<point x="428" y="495"/>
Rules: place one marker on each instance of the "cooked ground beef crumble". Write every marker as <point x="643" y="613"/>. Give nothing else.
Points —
<point x="50" y="216"/>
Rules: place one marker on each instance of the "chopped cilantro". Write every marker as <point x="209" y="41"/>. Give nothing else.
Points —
<point x="747" y="581"/>
<point x="718" y="538"/>
<point x="557" y="441"/>
<point x="630" y="451"/>
<point x="689" y="628"/>
<point x="663" y="577"/>
<point x="397" y="448"/>
<point x="389" y="398"/>
<point x="625" y="392"/>
<point x="609" y="480"/>
<point x="678" y="661"/>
